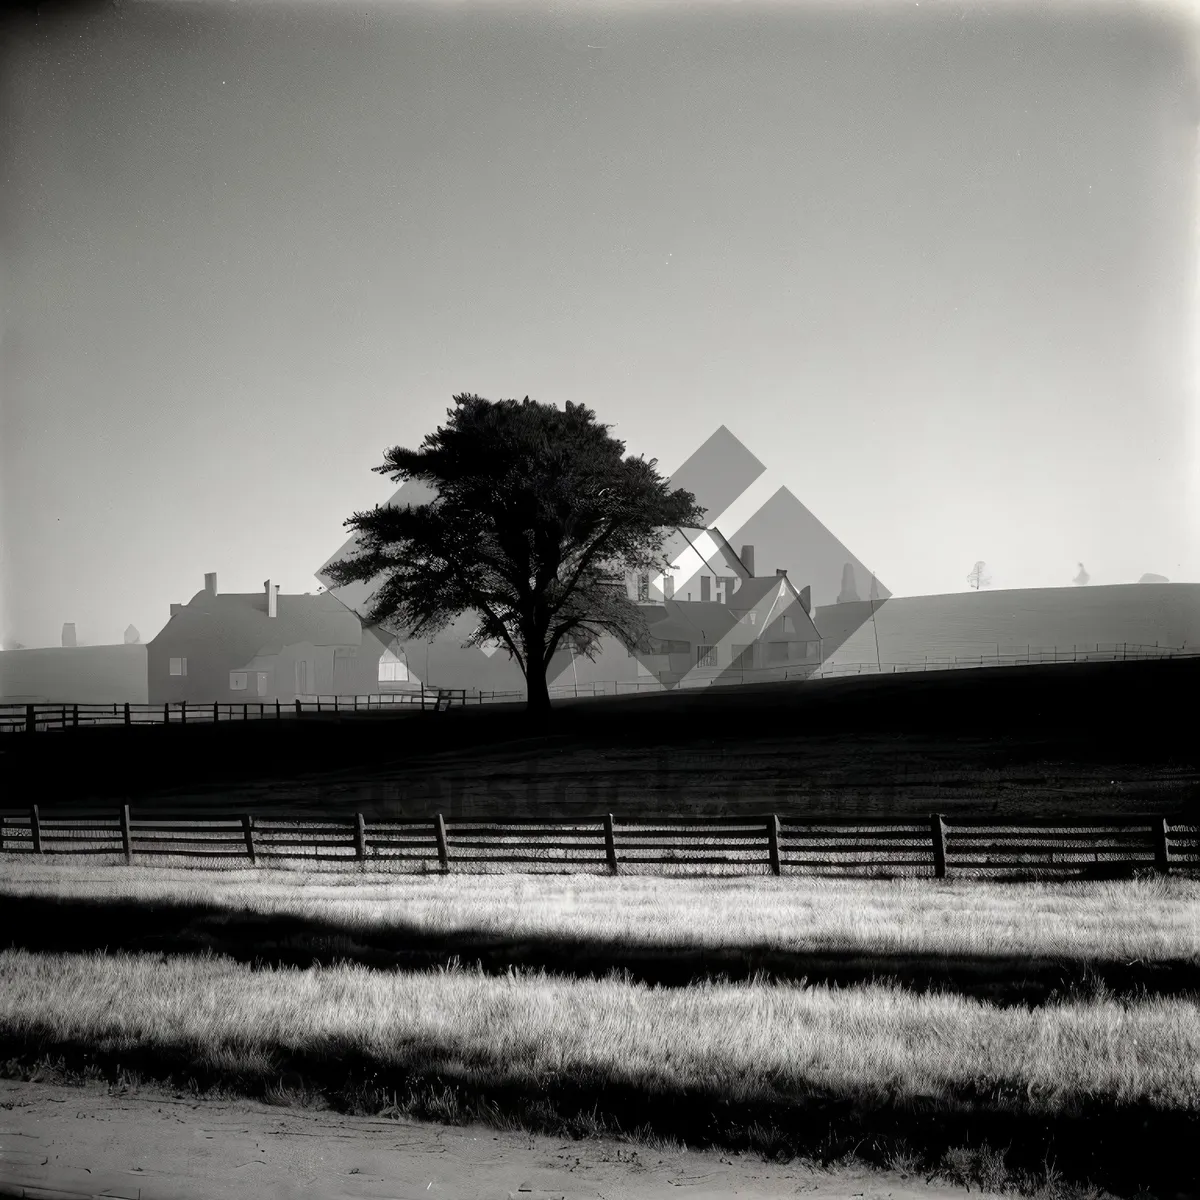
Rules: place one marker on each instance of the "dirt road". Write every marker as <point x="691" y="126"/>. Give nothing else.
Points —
<point x="67" y="1143"/>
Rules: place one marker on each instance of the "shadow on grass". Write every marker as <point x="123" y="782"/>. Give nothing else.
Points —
<point x="68" y="925"/>
<point x="991" y="1134"/>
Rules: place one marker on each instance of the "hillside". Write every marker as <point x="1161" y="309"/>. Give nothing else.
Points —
<point x="1085" y="737"/>
<point x="971" y="624"/>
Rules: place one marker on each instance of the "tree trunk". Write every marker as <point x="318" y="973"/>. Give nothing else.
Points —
<point x="537" y="689"/>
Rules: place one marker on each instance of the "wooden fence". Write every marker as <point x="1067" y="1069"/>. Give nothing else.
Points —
<point x="35" y="718"/>
<point x="980" y="846"/>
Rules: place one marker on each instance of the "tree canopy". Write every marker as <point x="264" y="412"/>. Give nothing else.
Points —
<point x="537" y="519"/>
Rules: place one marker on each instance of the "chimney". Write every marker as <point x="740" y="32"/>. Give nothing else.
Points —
<point x="780" y="571"/>
<point x="747" y="557"/>
<point x="210" y="583"/>
<point x="176" y="609"/>
<point x="806" y="599"/>
<point x="68" y="633"/>
<point x="272" y="598"/>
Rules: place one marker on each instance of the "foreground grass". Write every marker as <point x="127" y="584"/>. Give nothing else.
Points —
<point x="784" y="1068"/>
<point x="1155" y="919"/>
<point x="749" y="1042"/>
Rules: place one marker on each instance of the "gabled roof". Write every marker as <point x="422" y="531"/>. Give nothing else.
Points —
<point x="692" y="619"/>
<point x="240" y="619"/>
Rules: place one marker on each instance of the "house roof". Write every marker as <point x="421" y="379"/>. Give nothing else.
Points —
<point x="240" y="620"/>
<point x="688" y="619"/>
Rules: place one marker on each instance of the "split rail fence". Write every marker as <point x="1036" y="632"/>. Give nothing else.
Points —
<point x="935" y="846"/>
<point x="35" y="718"/>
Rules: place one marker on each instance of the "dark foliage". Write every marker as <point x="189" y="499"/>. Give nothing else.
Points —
<point x="537" y="519"/>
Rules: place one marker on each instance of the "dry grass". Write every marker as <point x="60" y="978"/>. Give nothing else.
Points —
<point x="749" y="1042"/>
<point x="1151" y="920"/>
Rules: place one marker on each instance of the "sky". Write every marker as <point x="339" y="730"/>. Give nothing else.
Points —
<point x="934" y="264"/>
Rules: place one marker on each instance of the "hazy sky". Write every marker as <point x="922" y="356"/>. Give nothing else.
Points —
<point x="934" y="264"/>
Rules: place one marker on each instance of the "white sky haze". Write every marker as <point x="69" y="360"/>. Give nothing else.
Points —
<point x="934" y="265"/>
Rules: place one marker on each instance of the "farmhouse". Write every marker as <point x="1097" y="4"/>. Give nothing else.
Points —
<point x="759" y="631"/>
<point x="263" y="646"/>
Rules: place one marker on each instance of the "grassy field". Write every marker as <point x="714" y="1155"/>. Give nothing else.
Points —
<point x="750" y="1043"/>
<point x="1149" y="920"/>
<point x="1092" y="737"/>
<point x="792" y="1016"/>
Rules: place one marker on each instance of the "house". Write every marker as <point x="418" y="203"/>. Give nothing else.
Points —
<point x="703" y="568"/>
<point x="707" y="590"/>
<point x="261" y="646"/>
<point x="758" y="632"/>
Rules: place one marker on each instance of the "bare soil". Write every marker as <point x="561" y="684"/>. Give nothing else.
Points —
<point x="156" y="1144"/>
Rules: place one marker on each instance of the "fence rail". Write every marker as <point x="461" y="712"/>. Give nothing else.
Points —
<point x="32" y="718"/>
<point x="1044" y="847"/>
<point x="24" y="717"/>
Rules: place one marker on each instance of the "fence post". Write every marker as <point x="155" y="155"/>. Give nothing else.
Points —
<point x="277" y="710"/>
<point x="30" y="719"/>
<point x="128" y="718"/>
<point x="360" y="835"/>
<point x="439" y="827"/>
<point x="937" y="828"/>
<point x="183" y="712"/>
<point x="610" y="844"/>
<point x="248" y="833"/>
<point x="35" y="828"/>
<point x="1162" y="848"/>
<point x="126" y="835"/>
<point x="167" y="713"/>
<point x="74" y="716"/>
<point x="773" y="842"/>
<point x="297" y="707"/>
<point x="245" y="712"/>
<point x="215" y="712"/>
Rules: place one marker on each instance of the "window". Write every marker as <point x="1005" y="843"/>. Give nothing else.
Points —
<point x="652" y="645"/>
<point x="237" y="681"/>
<point x="669" y="587"/>
<point x="789" y="626"/>
<point x="179" y="666"/>
<point x="777" y="652"/>
<point x="643" y="587"/>
<point x="392" y="669"/>
<point x="706" y="656"/>
<point x="705" y="589"/>
<point x="743" y="657"/>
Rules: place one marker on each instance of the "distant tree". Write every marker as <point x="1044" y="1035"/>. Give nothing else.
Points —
<point x="849" y="592"/>
<point x="132" y="637"/>
<point x="979" y="577"/>
<point x="1082" y="577"/>
<point x="1151" y="578"/>
<point x="13" y="646"/>
<point x="874" y="587"/>
<point x="536" y="521"/>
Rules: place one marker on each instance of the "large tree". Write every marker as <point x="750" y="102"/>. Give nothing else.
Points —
<point x="537" y="519"/>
